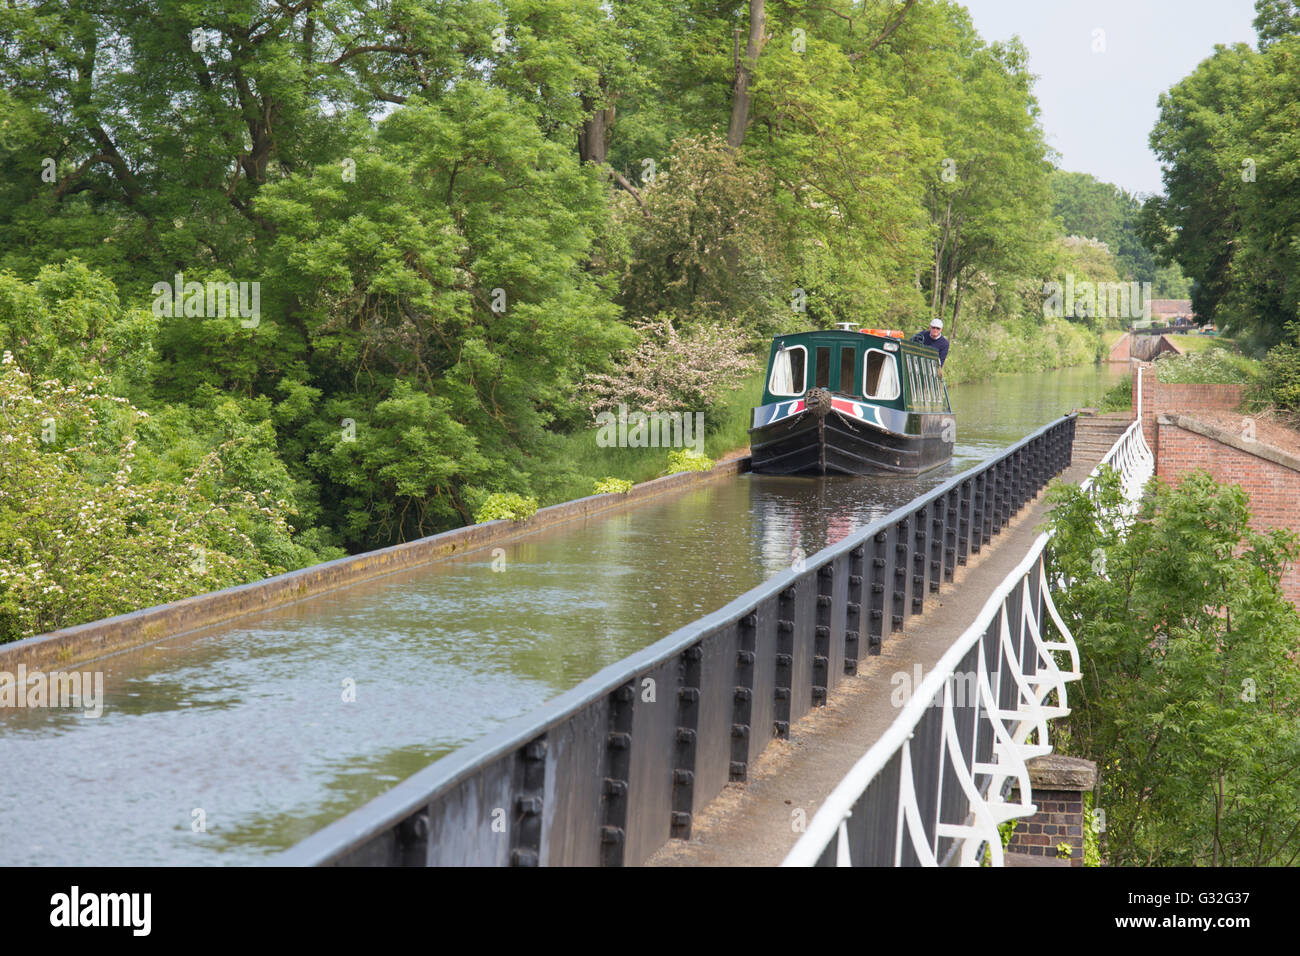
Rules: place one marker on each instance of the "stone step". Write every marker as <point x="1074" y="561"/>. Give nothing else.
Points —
<point x="1012" y="858"/>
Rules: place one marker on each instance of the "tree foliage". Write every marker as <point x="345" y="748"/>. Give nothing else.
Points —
<point x="1227" y="136"/>
<point x="1190" y="691"/>
<point x="467" y="219"/>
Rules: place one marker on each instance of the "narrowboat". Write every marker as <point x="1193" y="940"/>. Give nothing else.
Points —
<point x="851" y="402"/>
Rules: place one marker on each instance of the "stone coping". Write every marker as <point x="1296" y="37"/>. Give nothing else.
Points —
<point x="85" y="642"/>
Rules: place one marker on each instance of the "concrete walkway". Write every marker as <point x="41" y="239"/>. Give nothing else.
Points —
<point x="756" y="823"/>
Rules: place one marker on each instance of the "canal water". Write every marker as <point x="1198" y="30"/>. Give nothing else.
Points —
<point x="230" y="744"/>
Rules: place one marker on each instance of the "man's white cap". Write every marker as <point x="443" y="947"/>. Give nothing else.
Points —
<point x="937" y="324"/>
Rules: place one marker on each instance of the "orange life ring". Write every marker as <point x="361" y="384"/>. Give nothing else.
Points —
<point x="888" y="333"/>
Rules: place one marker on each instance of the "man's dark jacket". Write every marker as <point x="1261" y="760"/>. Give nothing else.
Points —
<point x="940" y="344"/>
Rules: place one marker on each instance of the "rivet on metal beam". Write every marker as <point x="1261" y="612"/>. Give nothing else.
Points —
<point x="528" y="805"/>
<point x="536" y="750"/>
<point x="413" y="829"/>
<point x="520" y="857"/>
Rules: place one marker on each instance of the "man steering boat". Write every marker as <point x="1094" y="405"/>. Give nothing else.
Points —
<point x="934" y="339"/>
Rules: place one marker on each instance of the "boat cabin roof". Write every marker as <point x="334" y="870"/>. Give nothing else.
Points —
<point x="878" y="366"/>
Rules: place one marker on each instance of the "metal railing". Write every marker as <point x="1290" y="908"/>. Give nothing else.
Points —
<point x="932" y="790"/>
<point x="608" y="772"/>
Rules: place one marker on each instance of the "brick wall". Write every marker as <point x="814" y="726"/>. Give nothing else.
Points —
<point x="1059" y="784"/>
<point x="1059" y="820"/>
<point x="1166" y="399"/>
<point x="1274" y="489"/>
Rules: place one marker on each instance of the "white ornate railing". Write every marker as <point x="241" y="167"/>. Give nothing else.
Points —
<point x="939" y="775"/>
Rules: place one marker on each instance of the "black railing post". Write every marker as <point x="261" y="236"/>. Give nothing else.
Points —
<point x="878" y="609"/>
<point x="530" y="789"/>
<point x="964" y="522"/>
<point x="938" y="508"/>
<point x="902" y="561"/>
<point x="784" y="663"/>
<point x="951" y="520"/>
<point x="853" y="616"/>
<point x="688" y="722"/>
<point x="743" y="697"/>
<point x="618" y="767"/>
<point x="920" y="558"/>
<point x="821" y="676"/>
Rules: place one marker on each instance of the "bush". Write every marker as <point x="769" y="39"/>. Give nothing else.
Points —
<point x="671" y="369"/>
<point x="1118" y="398"/>
<point x="1190" y="693"/>
<point x="1280" y="373"/>
<point x="687" y="459"/>
<point x="612" y="486"/>
<point x="510" y="507"/>
<point x="1212" y="367"/>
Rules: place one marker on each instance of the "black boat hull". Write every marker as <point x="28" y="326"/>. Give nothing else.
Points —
<point x="838" y="444"/>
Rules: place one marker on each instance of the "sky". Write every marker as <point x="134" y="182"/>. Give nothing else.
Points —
<point x="1098" y="108"/>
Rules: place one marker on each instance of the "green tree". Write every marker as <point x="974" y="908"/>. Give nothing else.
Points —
<point x="446" y="282"/>
<point x="1190" y="699"/>
<point x="84" y="538"/>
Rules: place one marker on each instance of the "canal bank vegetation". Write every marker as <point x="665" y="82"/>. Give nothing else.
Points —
<point x="1190" y="697"/>
<point x="458" y="226"/>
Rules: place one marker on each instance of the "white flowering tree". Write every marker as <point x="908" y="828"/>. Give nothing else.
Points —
<point x="671" y="369"/>
<point x="80" y="539"/>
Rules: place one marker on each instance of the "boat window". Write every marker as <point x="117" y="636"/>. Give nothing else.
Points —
<point x="913" y="387"/>
<point x="788" y="371"/>
<point x="848" y="360"/>
<point x="927" y="371"/>
<point x="823" y="366"/>
<point x="881" y="378"/>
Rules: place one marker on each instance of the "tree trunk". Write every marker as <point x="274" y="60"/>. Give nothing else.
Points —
<point x="593" y="138"/>
<point x="956" y="311"/>
<point x="740" y="98"/>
